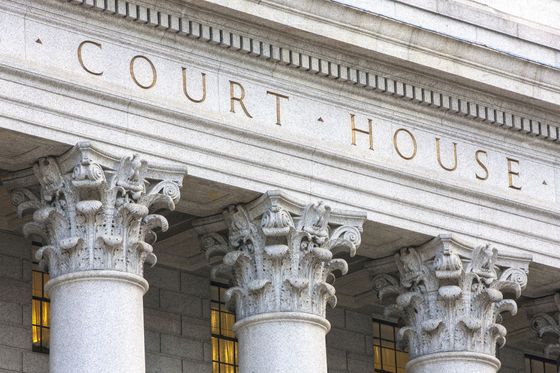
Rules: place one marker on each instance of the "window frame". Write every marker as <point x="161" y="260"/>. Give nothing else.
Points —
<point x="221" y="337"/>
<point x="543" y="360"/>
<point x="381" y="346"/>
<point x="43" y="324"/>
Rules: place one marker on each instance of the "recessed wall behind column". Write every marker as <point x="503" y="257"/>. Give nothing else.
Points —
<point x="177" y="322"/>
<point x="349" y="343"/>
<point x="16" y="353"/>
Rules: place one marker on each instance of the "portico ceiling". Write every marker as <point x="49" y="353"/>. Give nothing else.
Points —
<point x="179" y="247"/>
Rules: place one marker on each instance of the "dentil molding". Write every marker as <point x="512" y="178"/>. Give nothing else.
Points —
<point x="284" y="55"/>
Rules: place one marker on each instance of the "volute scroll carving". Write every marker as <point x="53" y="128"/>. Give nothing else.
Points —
<point x="449" y="299"/>
<point x="280" y="257"/>
<point x="93" y="212"/>
<point x="548" y="324"/>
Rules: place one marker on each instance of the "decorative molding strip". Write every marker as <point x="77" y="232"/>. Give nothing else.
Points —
<point x="322" y="67"/>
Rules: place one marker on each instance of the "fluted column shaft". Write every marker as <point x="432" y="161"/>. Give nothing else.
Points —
<point x="93" y="217"/>
<point x="449" y="298"/>
<point x="279" y="256"/>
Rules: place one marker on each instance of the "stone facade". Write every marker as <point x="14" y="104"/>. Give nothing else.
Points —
<point x="332" y="162"/>
<point x="176" y="321"/>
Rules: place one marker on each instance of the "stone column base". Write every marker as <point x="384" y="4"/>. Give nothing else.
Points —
<point x="454" y="362"/>
<point x="282" y="342"/>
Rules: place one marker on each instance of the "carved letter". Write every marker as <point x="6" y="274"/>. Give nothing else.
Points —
<point x="511" y="173"/>
<point x="133" y="76"/>
<point x="81" y="60"/>
<point x="233" y="98"/>
<point x="278" y="97"/>
<point x="438" y="155"/>
<point x="396" y="145"/>
<point x="185" y="90"/>
<point x="354" y="130"/>
<point x="479" y="161"/>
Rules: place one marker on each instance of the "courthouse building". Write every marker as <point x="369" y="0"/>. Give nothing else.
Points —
<point x="342" y="186"/>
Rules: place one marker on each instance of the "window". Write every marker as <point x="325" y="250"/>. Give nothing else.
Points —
<point x="224" y="343"/>
<point x="534" y="364"/>
<point x="386" y="357"/>
<point x="40" y="309"/>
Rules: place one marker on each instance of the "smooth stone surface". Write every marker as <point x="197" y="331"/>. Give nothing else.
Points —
<point x="97" y="323"/>
<point x="454" y="362"/>
<point x="282" y="342"/>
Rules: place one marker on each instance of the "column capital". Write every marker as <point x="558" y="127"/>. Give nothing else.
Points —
<point x="92" y="211"/>
<point x="279" y="253"/>
<point x="450" y="296"/>
<point x="548" y="324"/>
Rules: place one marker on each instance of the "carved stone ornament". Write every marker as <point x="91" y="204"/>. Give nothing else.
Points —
<point x="545" y="324"/>
<point x="451" y="297"/>
<point x="92" y="211"/>
<point x="279" y="254"/>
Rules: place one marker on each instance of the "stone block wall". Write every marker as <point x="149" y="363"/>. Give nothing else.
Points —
<point x="177" y="322"/>
<point x="15" y="308"/>
<point x="513" y="360"/>
<point x="176" y="316"/>
<point x="349" y="343"/>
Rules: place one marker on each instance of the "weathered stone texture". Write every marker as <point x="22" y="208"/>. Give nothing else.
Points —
<point x="349" y="344"/>
<point x="15" y="308"/>
<point x="177" y="329"/>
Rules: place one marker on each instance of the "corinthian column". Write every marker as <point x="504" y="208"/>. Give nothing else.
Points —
<point x="450" y="298"/>
<point x="548" y="325"/>
<point x="279" y="256"/>
<point x="93" y="216"/>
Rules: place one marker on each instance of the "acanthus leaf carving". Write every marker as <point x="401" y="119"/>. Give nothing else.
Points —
<point x="93" y="215"/>
<point x="450" y="302"/>
<point x="548" y="324"/>
<point x="284" y="262"/>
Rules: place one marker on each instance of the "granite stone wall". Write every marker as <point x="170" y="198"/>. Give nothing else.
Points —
<point x="15" y="308"/>
<point x="177" y="322"/>
<point x="349" y="343"/>
<point x="513" y="360"/>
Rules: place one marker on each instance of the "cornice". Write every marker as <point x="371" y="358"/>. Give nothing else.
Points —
<point x="327" y="68"/>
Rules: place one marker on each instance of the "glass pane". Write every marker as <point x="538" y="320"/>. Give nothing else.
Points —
<point x="389" y="344"/>
<point x="45" y="315"/>
<point x="215" y="321"/>
<point x="36" y="312"/>
<point x="37" y="284"/>
<point x="227" y="351"/>
<point x="527" y="365"/>
<point x="46" y="335"/>
<point x="387" y="332"/>
<point x="537" y="366"/>
<point x="388" y="356"/>
<point x="228" y="320"/>
<point x="550" y="368"/>
<point x="377" y="357"/>
<point x="215" y="367"/>
<point x="36" y="335"/>
<point x="224" y="368"/>
<point x="402" y="359"/>
<point x="215" y="349"/>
